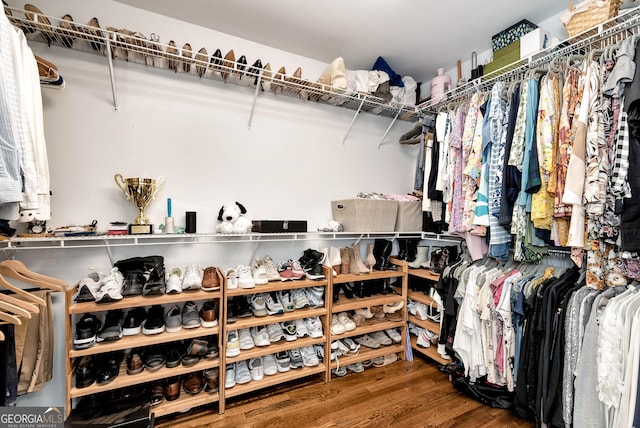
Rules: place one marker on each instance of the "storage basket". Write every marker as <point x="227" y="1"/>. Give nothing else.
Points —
<point x="589" y="14"/>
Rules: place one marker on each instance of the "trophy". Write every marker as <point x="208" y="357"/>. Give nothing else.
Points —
<point x="140" y="191"/>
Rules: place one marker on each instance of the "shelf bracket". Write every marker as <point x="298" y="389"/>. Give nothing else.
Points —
<point x="389" y="127"/>
<point x="353" y="120"/>
<point x="255" y="98"/>
<point x="111" y="75"/>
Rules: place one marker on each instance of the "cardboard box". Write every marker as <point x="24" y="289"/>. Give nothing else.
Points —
<point x="279" y="226"/>
<point x="533" y="42"/>
<point x="409" y="217"/>
<point x="365" y="215"/>
<point x="511" y="34"/>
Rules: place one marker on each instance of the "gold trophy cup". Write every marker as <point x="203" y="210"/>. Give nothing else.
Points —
<point x="141" y="191"/>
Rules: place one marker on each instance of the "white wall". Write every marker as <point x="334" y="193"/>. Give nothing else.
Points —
<point x="289" y="165"/>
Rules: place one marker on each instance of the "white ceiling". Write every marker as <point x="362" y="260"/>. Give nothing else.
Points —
<point x="415" y="36"/>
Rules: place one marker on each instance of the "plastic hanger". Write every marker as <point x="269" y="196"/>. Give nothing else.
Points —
<point x="18" y="270"/>
<point x="19" y="291"/>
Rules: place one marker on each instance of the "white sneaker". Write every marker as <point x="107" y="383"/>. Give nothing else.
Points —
<point x="314" y="327"/>
<point x="259" y="275"/>
<point x="192" y="279"/>
<point x="283" y="361"/>
<point x="273" y="306"/>
<point x="256" y="367"/>
<point x="289" y="331"/>
<point x="343" y="318"/>
<point x="356" y="367"/>
<point x="301" y="328"/>
<point x="309" y="357"/>
<point x="88" y="287"/>
<point x="381" y="337"/>
<point x="246" y="342"/>
<point x="260" y="336"/>
<point x="173" y="282"/>
<point x="230" y="376"/>
<point x="296" y="269"/>
<point x="394" y="335"/>
<point x="243" y="375"/>
<point x="111" y="288"/>
<point x="336" y="325"/>
<point x="245" y="279"/>
<point x="315" y="295"/>
<point x="299" y="298"/>
<point x="423" y="340"/>
<point x="275" y="333"/>
<point x="232" y="278"/>
<point x="286" y="298"/>
<point x="259" y="305"/>
<point x="269" y="365"/>
<point x="352" y="347"/>
<point x="233" y="344"/>
<point x="272" y="269"/>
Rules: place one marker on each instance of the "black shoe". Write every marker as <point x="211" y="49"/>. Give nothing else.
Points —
<point x="359" y="289"/>
<point x="86" y="330"/>
<point x="154" y="323"/>
<point x="112" y="328"/>
<point x="132" y="324"/>
<point x="232" y="310"/>
<point x="85" y="373"/>
<point x="153" y="274"/>
<point x="154" y="358"/>
<point x="336" y="292"/>
<point x="133" y="282"/>
<point x="216" y="58"/>
<point x="254" y="71"/>
<point x="243" y="310"/>
<point x="348" y="290"/>
<point x="108" y="367"/>
<point x="173" y="358"/>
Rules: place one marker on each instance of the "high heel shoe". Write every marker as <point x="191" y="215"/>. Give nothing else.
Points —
<point x="95" y="31"/>
<point x="253" y="73"/>
<point x="202" y="58"/>
<point x="186" y="54"/>
<point x="67" y="31"/>
<point x="358" y="258"/>
<point x="41" y="22"/>
<point x="172" y="53"/>
<point x="276" y="83"/>
<point x="228" y="64"/>
<point x="216" y="60"/>
<point x="266" y="77"/>
<point x="370" y="259"/>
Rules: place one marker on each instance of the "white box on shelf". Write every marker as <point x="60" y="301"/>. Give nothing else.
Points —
<point x="533" y="42"/>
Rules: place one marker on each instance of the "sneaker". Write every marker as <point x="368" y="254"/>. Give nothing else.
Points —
<point x="309" y="357"/>
<point x="394" y="335"/>
<point x="296" y="270"/>
<point x="190" y="316"/>
<point x="340" y="371"/>
<point x="296" y="361"/>
<point x="86" y="330"/>
<point x="246" y="342"/>
<point x="272" y="270"/>
<point x="343" y="318"/>
<point x="192" y="279"/>
<point x="352" y="348"/>
<point x="283" y="361"/>
<point x="88" y="287"/>
<point x="260" y="335"/>
<point x="242" y="375"/>
<point x="356" y="367"/>
<point x="315" y="295"/>
<point x="274" y="307"/>
<point x="275" y="333"/>
<point x="336" y="325"/>
<point x="259" y="275"/>
<point x="233" y="344"/>
<point x="174" y="281"/>
<point x="112" y="327"/>
<point x="314" y="327"/>
<point x="270" y="367"/>
<point x="230" y="376"/>
<point x="208" y="314"/>
<point x="210" y="281"/>
<point x="381" y="337"/>
<point x="245" y="280"/>
<point x="154" y="324"/>
<point x="301" y="328"/>
<point x="286" y="299"/>
<point x="299" y="298"/>
<point x="111" y="287"/>
<point x="285" y="272"/>
<point x="133" y="321"/>
<point x="232" y="278"/>
<point x="173" y="319"/>
<point x="243" y="308"/>
<point x="289" y="331"/>
<point x="259" y="305"/>
<point x="256" y="367"/>
<point x="368" y="341"/>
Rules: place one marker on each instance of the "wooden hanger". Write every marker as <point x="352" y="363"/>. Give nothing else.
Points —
<point x="18" y="270"/>
<point x="10" y="318"/>
<point x="16" y="310"/>
<point x="19" y="291"/>
<point x="46" y="69"/>
<point x="30" y="307"/>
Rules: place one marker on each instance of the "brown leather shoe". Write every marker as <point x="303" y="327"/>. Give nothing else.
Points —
<point x="187" y="54"/>
<point x="134" y="363"/>
<point x="212" y="380"/>
<point x="208" y="316"/>
<point x="228" y="64"/>
<point x="157" y="393"/>
<point x="193" y="383"/>
<point x="173" y="388"/>
<point x="211" y="279"/>
<point x="198" y="348"/>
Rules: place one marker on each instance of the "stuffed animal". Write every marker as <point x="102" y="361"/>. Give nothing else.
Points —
<point x="232" y="219"/>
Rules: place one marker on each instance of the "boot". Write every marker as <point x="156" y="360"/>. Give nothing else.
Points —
<point x="353" y="265"/>
<point x="357" y="256"/>
<point x="358" y="289"/>
<point x="387" y="288"/>
<point x="412" y="250"/>
<point x="422" y="256"/>
<point x="402" y="248"/>
<point x="347" y="288"/>
<point x="370" y="260"/>
<point x="382" y="252"/>
<point x="344" y="261"/>
<point x="334" y="259"/>
<point x="336" y="292"/>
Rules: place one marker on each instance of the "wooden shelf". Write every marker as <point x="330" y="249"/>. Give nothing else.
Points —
<point x="277" y="286"/>
<point x="138" y="301"/>
<point x="425" y="274"/>
<point x="369" y="326"/>
<point x="367" y="354"/>
<point x="431" y="352"/>
<point x="271" y="319"/>
<point x="376" y="274"/>
<point x="283" y="345"/>
<point x="275" y="379"/>
<point x="141" y="340"/>
<point x="185" y="402"/>
<point x="123" y="379"/>
<point x="419" y="296"/>
<point x="344" y="304"/>
<point x="426" y="324"/>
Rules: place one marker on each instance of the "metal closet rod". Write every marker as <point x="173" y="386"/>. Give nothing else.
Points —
<point x="608" y="33"/>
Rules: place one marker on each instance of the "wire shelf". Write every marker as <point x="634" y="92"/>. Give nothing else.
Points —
<point x="133" y="47"/>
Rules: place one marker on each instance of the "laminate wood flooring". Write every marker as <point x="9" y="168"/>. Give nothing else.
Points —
<point x="404" y="394"/>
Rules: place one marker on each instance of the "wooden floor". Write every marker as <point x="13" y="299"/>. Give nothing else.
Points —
<point x="405" y="393"/>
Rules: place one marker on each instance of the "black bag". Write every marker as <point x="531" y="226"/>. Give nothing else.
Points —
<point x="486" y="393"/>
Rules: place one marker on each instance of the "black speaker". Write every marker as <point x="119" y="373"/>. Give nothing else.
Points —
<point x="191" y="222"/>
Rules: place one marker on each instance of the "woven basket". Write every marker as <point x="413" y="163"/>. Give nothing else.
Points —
<point x="597" y="12"/>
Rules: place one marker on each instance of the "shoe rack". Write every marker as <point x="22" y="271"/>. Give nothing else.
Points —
<point x="282" y="345"/>
<point x="344" y="304"/>
<point x="133" y="47"/>
<point x="123" y="380"/>
<point x="434" y="327"/>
